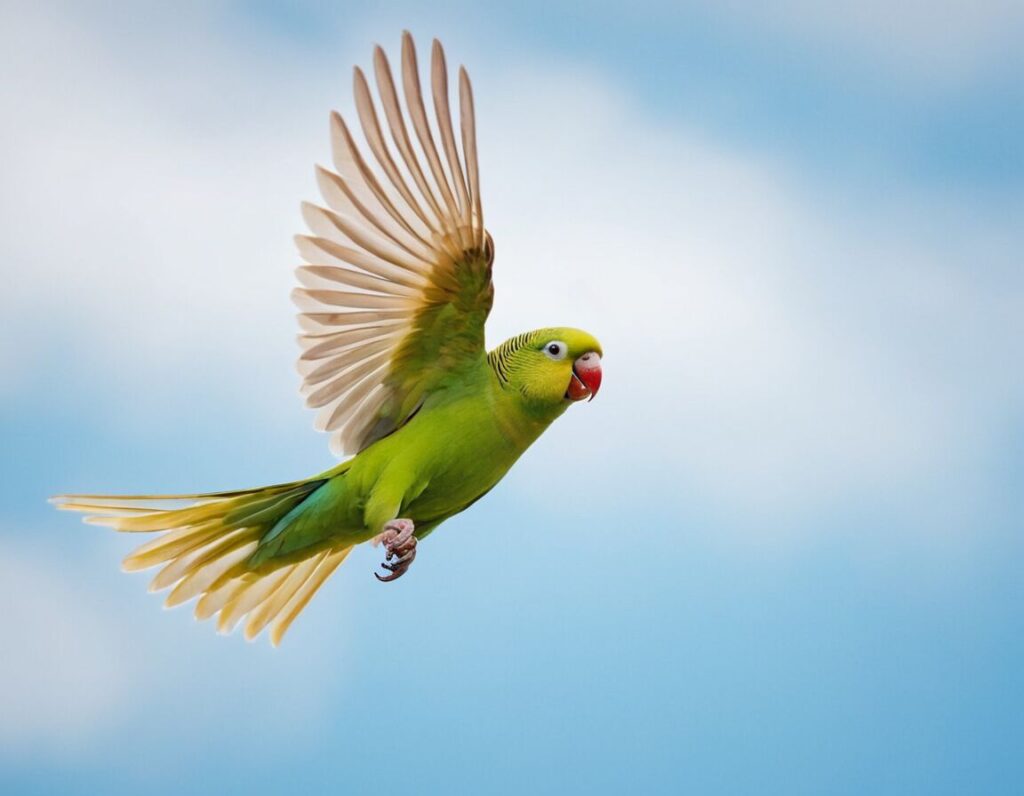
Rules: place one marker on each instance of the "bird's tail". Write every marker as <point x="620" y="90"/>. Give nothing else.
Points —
<point x="203" y="546"/>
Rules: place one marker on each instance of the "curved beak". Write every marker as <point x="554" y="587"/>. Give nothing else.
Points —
<point x="586" y="377"/>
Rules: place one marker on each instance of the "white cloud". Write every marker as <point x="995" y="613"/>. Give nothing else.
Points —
<point x="766" y="348"/>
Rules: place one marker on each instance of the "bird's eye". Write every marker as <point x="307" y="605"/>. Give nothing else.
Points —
<point x="556" y="350"/>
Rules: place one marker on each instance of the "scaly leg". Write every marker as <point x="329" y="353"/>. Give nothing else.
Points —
<point x="400" y="545"/>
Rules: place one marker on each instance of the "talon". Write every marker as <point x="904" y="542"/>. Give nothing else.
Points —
<point x="404" y="559"/>
<point x="400" y="549"/>
<point x="396" y="571"/>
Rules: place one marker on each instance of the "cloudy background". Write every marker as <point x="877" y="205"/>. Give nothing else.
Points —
<point x="781" y="553"/>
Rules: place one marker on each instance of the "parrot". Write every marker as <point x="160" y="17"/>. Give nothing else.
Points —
<point x="394" y="291"/>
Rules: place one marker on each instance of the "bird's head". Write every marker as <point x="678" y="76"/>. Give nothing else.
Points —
<point x="550" y="368"/>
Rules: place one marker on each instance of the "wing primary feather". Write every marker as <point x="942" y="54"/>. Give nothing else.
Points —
<point x="351" y="165"/>
<point x="326" y="345"/>
<point x="315" y="276"/>
<point x="327" y="223"/>
<point x="364" y="301"/>
<point x="317" y="250"/>
<point x="341" y="198"/>
<point x="442" y="111"/>
<point x="362" y="421"/>
<point x="418" y="114"/>
<point x="468" y="124"/>
<point x="314" y="322"/>
<point x="330" y="350"/>
<point x="321" y="370"/>
<point x="331" y="417"/>
<point x="322" y="393"/>
<point x="371" y="129"/>
<point x="400" y="135"/>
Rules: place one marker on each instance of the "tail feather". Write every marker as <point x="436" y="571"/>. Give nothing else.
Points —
<point x="212" y="565"/>
<point x="329" y="561"/>
<point x="234" y="509"/>
<point x="243" y="596"/>
<point x="171" y="545"/>
<point x="179" y="566"/>
<point x="204" y="543"/>
<point x="272" y="607"/>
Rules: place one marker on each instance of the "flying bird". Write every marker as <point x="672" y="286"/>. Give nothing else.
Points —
<point x="395" y="290"/>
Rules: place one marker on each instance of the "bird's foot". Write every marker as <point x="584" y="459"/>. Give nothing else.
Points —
<point x="400" y="547"/>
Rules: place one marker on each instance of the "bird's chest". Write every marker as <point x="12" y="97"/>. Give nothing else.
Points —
<point x="466" y="459"/>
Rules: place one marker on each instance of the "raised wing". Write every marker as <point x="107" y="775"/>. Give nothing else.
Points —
<point x="397" y="284"/>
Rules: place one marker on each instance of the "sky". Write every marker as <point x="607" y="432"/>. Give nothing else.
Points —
<point x="780" y="553"/>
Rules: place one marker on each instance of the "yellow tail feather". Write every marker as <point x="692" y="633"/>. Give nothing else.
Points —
<point x="203" y="548"/>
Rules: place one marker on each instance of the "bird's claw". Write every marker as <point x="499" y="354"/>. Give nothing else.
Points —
<point x="397" y="569"/>
<point x="400" y="549"/>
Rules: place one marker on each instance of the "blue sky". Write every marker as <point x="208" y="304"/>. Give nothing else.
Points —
<point x="780" y="553"/>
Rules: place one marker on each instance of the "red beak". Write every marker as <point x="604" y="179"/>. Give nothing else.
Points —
<point x="586" y="377"/>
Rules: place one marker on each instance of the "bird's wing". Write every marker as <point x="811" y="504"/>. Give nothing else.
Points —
<point x="397" y="284"/>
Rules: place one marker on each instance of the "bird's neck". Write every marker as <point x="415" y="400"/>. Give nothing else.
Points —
<point x="519" y="420"/>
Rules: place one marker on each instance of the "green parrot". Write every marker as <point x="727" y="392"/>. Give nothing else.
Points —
<point x="395" y="292"/>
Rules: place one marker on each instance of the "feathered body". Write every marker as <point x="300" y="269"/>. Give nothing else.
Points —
<point x="396" y="365"/>
<point x="466" y="436"/>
